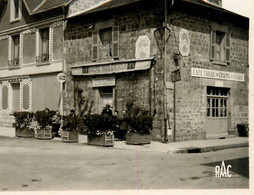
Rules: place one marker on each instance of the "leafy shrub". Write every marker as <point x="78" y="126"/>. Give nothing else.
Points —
<point x="138" y="119"/>
<point x="44" y="118"/>
<point x="23" y="119"/>
<point x="72" y="123"/>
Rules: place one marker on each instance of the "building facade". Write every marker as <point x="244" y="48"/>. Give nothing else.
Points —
<point x="31" y="56"/>
<point x="186" y="59"/>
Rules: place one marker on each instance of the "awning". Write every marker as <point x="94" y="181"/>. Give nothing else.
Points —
<point x="112" y="67"/>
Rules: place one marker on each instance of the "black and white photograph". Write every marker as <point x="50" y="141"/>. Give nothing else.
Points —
<point x="126" y="96"/>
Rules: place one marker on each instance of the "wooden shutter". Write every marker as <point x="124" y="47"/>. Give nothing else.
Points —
<point x="95" y="45"/>
<point x="227" y="48"/>
<point x="115" y="42"/>
<point x="213" y="45"/>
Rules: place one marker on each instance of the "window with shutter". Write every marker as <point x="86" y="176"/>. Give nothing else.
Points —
<point x="227" y="48"/>
<point x="213" y="45"/>
<point x="115" y="35"/>
<point x="95" y="45"/>
<point x="220" y="47"/>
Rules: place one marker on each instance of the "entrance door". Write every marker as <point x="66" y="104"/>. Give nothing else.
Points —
<point x="106" y="97"/>
<point x="217" y="111"/>
<point x="15" y="96"/>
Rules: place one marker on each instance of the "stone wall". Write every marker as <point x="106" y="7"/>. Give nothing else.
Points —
<point x="147" y="87"/>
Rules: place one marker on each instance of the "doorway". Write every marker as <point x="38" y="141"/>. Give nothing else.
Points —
<point x="217" y="111"/>
<point x="15" y="96"/>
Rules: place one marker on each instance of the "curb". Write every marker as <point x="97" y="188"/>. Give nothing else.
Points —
<point x="209" y="148"/>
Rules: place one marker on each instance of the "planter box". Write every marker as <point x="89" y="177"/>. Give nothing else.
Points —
<point x="137" y="139"/>
<point x="25" y="133"/>
<point x="101" y="140"/>
<point x="70" y="136"/>
<point x="43" y="134"/>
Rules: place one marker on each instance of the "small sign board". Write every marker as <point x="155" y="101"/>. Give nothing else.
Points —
<point x="61" y="77"/>
<point x="175" y="76"/>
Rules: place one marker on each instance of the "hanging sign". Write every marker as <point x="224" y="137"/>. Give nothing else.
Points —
<point x="175" y="76"/>
<point x="184" y="42"/>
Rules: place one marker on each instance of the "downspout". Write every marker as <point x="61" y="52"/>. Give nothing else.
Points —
<point x="166" y="117"/>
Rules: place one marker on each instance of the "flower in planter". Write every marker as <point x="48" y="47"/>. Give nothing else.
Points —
<point x="24" y="120"/>
<point x="100" y="124"/>
<point x="44" y="119"/>
<point x="72" y="122"/>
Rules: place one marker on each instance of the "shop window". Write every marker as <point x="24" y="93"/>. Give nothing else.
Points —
<point x="217" y="102"/>
<point x="15" y="47"/>
<point x="220" y="47"/>
<point x="15" y="10"/>
<point x="105" y="43"/>
<point x="44" y="45"/>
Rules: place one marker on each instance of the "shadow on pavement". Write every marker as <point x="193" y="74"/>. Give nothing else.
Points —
<point x="239" y="166"/>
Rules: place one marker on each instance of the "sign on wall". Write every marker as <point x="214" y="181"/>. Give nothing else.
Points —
<point x="104" y="81"/>
<point x="215" y="74"/>
<point x="184" y="42"/>
<point x="142" y="47"/>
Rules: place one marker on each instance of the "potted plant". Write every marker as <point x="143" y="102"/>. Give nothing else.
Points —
<point x="100" y="129"/>
<point x="44" y="126"/>
<point x="70" y="127"/>
<point x="140" y="124"/>
<point x="23" y="124"/>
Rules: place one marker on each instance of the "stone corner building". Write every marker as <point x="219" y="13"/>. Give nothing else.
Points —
<point x="116" y="51"/>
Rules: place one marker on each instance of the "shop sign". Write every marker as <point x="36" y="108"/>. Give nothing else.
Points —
<point x="215" y="74"/>
<point x="175" y="76"/>
<point x="104" y="81"/>
<point x="61" y="77"/>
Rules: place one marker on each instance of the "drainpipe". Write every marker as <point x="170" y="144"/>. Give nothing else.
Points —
<point x="166" y="119"/>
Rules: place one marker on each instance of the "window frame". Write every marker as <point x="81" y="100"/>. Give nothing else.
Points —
<point x="225" y="45"/>
<point x="13" y="12"/>
<point x="97" y="45"/>
<point x="12" y="58"/>
<point x="214" y="103"/>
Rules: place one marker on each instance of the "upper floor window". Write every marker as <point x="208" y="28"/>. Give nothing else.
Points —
<point x="15" y="10"/>
<point x="44" y="45"/>
<point x="15" y="46"/>
<point x="220" y="47"/>
<point x="105" y="43"/>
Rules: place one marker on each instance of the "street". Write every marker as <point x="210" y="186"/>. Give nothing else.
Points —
<point x="39" y="165"/>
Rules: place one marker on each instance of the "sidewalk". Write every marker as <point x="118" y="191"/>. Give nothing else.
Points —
<point x="195" y="146"/>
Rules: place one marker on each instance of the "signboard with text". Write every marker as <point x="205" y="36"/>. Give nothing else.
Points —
<point x="215" y="74"/>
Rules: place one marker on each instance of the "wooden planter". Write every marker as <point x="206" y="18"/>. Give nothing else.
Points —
<point x="137" y="139"/>
<point x="43" y="134"/>
<point x="25" y="133"/>
<point x="70" y="136"/>
<point x="101" y="140"/>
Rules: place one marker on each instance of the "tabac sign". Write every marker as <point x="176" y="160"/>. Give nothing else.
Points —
<point x="215" y="74"/>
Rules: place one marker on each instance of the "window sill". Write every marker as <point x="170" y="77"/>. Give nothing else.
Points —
<point x="13" y="68"/>
<point x="15" y="20"/>
<point x="220" y="63"/>
<point x="43" y="63"/>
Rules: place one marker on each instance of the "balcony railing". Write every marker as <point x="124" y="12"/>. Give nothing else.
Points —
<point x="13" y="63"/>
<point x="42" y="58"/>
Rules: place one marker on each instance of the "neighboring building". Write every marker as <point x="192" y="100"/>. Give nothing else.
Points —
<point x="31" y="48"/>
<point x="115" y="52"/>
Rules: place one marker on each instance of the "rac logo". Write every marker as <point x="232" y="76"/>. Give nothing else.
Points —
<point x="223" y="170"/>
